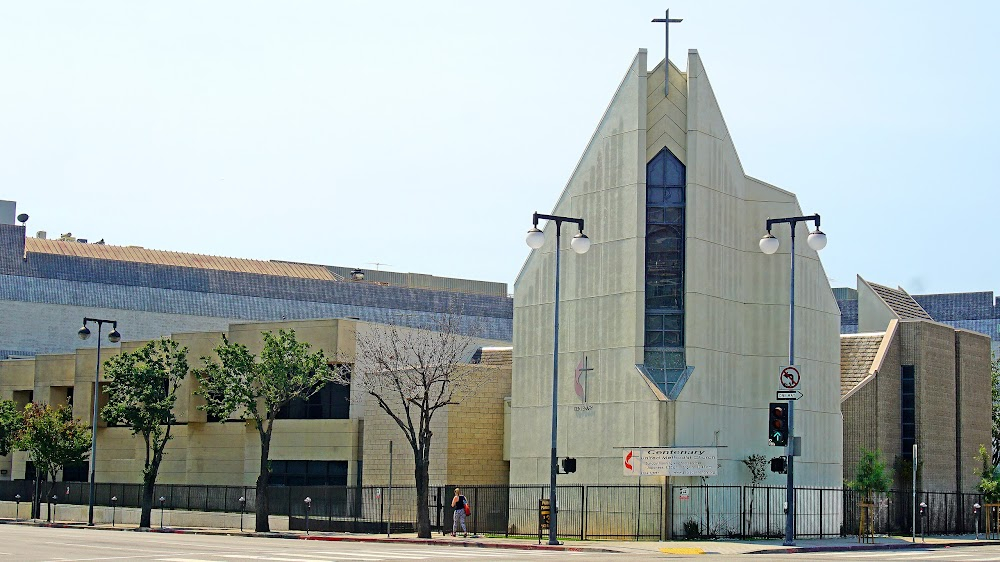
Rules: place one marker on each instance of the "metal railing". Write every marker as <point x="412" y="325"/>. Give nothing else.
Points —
<point x="584" y="512"/>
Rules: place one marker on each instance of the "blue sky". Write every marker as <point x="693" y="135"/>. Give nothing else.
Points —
<point x="423" y="135"/>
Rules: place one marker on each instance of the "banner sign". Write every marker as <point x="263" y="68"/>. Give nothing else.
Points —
<point x="671" y="461"/>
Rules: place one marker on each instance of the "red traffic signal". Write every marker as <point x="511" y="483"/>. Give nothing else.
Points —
<point x="777" y="424"/>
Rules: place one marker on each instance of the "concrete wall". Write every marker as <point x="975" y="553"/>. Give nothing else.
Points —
<point x="873" y="314"/>
<point x="930" y="347"/>
<point x="972" y="383"/>
<point x="601" y="310"/>
<point x="737" y="310"/>
<point x="129" y="516"/>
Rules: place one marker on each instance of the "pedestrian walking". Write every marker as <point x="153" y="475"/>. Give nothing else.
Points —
<point x="461" y="506"/>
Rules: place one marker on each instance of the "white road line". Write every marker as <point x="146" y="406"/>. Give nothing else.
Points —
<point x="382" y="555"/>
<point x="260" y="557"/>
<point x="875" y="553"/>
<point x="85" y="545"/>
<point x="455" y="552"/>
<point x="316" y="557"/>
<point x="922" y="554"/>
<point x="153" y="556"/>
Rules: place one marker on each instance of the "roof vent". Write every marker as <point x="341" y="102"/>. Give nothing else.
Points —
<point x="41" y="235"/>
<point x="81" y="240"/>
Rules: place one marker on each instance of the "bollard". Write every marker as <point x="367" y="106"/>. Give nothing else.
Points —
<point x="114" y="499"/>
<point x="162" y="499"/>
<point x="975" y="512"/>
<point x="17" y="507"/>
<point x="309" y="503"/>
<point x="243" y="505"/>
<point x="923" y="521"/>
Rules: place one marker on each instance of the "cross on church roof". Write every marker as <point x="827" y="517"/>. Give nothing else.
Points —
<point x="666" y="21"/>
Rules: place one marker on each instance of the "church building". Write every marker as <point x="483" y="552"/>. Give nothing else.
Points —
<point x="674" y="326"/>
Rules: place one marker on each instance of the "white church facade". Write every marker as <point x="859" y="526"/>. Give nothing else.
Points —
<point x="674" y="326"/>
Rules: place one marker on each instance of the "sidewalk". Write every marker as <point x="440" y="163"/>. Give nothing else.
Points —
<point x="721" y="546"/>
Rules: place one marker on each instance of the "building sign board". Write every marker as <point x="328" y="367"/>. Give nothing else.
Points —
<point x="670" y="461"/>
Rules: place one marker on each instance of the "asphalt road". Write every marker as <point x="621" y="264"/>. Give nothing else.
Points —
<point x="24" y="543"/>
<point x="27" y="543"/>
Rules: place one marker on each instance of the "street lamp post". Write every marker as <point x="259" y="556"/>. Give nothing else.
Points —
<point x="113" y="337"/>
<point x="769" y="245"/>
<point x="580" y="245"/>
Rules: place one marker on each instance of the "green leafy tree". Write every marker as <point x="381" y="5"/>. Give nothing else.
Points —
<point x="142" y="392"/>
<point x="11" y="422"/>
<point x="52" y="439"/>
<point x="871" y="475"/>
<point x="258" y="388"/>
<point x="411" y="375"/>
<point x="989" y="481"/>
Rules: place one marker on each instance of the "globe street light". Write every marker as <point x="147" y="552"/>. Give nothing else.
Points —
<point x="769" y="245"/>
<point x="113" y="337"/>
<point x="580" y="245"/>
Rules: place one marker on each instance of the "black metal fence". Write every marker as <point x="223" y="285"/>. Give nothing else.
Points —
<point x="585" y="512"/>
<point x="745" y="512"/>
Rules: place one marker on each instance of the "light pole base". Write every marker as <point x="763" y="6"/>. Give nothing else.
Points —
<point x="787" y="542"/>
<point x="555" y="543"/>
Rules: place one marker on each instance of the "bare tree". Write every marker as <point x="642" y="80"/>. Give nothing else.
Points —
<point x="757" y="465"/>
<point x="412" y="374"/>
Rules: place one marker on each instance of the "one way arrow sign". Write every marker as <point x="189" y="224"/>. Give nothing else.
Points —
<point x="789" y="395"/>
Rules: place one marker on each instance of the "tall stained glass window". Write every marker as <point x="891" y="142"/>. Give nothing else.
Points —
<point x="664" y="327"/>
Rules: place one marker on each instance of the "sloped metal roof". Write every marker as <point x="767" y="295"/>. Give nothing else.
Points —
<point x="179" y="259"/>
<point x="900" y="302"/>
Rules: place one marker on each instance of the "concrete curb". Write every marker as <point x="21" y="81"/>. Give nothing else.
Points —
<point x="869" y="547"/>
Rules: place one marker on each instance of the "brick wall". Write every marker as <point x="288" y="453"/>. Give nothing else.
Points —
<point x="467" y="441"/>
<point x="475" y="433"/>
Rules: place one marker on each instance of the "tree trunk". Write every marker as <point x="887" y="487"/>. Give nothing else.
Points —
<point x="48" y="498"/>
<point x="421" y="475"/>
<point x="263" y="480"/>
<point x="36" y="497"/>
<point x="148" y="483"/>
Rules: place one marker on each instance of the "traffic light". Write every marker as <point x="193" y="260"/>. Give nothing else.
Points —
<point x="568" y="465"/>
<point x="779" y="465"/>
<point x="777" y="424"/>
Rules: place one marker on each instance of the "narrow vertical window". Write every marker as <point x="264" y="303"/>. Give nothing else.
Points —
<point x="907" y="410"/>
<point x="664" y="268"/>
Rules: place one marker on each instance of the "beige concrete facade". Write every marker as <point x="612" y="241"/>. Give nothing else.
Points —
<point x="951" y="370"/>
<point x="204" y="452"/>
<point x="736" y="305"/>
<point x="200" y="452"/>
